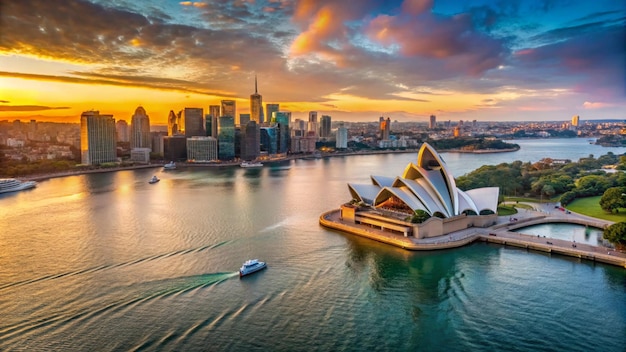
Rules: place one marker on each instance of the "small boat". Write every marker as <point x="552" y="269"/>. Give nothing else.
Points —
<point x="251" y="266"/>
<point x="154" y="179"/>
<point x="250" y="164"/>
<point x="170" y="166"/>
<point x="14" y="185"/>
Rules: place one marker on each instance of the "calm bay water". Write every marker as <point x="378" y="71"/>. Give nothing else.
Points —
<point x="110" y="262"/>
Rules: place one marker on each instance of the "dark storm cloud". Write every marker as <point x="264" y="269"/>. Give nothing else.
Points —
<point x="30" y="108"/>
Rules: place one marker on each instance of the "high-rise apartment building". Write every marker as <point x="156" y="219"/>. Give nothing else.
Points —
<point x="575" y="121"/>
<point x="271" y="108"/>
<point x="325" y="123"/>
<point x="312" y="124"/>
<point x="256" y="106"/>
<point x="341" y="141"/>
<point x="385" y="128"/>
<point x="140" y="129"/>
<point x="432" y="123"/>
<point x="229" y="108"/>
<point x="121" y="130"/>
<point x="97" y="138"/>
<point x="194" y="122"/>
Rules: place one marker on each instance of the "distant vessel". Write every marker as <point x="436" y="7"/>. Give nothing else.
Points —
<point x="170" y="166"/>
<point x="250" y="164"/>
<point x="251" y="266"/>
<point x="154" y="179"/>
<point x="13" y="185"/>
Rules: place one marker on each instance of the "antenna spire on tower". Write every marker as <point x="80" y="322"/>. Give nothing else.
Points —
<point x="255" y="87"/>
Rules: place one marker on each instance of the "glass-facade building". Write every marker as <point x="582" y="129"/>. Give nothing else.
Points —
<point x="269" y="140"/>
<point x="281" y="121"/>
<point x="226" y="137"/>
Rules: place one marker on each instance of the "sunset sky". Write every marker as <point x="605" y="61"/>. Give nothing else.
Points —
<point x="485" y="60"/>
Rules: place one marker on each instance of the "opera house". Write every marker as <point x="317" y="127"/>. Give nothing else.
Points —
<point x="425" y="190"/>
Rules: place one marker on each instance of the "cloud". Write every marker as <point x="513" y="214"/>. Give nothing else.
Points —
<point x="4" y="101"/>
<point x="596" y="105"/>
<point x="30" y="108"/>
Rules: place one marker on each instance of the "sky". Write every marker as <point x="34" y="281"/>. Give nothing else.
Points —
<point x="485" y="60"/>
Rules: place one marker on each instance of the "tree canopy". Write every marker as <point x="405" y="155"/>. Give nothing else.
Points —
<point x="616" y="234"/>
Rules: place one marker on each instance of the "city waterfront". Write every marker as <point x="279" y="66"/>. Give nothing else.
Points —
<point x="109" y="262"/>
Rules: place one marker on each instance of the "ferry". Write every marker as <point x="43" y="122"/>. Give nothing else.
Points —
<point x="154" y="179"/>
<point x="251" y="266"/>
<point x="14" y="185"/>
<point x="170" y="166"/>
<point x="250" y="164"/>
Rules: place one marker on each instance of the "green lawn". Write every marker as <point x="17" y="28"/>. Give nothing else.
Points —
<point x="506" y="210"/>
<point x="590" y="206"/>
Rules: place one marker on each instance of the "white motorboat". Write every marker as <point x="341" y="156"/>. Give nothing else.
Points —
<point x="14" y="185"/>
<point x="170" y="166"/>
<point x="154" y="179"/>
<point x="251" y="266"/>
<point x="250" y="164"/>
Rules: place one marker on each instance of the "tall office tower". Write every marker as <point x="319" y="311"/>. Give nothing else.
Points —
<point x="97" y="138"/>
<point x="121" y="129"/>
<point x="313" y="116"/>
<point x="194" y="122"/>
<point x="140" y="129"/>
<point x="271" y="108"/>
<point x="385" y="128"/>
<point x="342" y="137"/>
<point x="281" y="119"/>
<point x="175" y="147"/>
<point x="432" y="123"/>
<point x="256" y="106"/>
<point x="244" y="119"/>
<point x="325" y="126"/>
<point x="226" y="137"/>
<point x="201" y="149"/>
<point x="214" y="111"/>
<point x="269" y="140"/>
<point x="208" y="125"/>
<point x="172" y="123"/>
<point x="157" y="142"/>
<point x="229" y="108"/>
<point x="575" y="121"/>
<point x="250" y="141"/>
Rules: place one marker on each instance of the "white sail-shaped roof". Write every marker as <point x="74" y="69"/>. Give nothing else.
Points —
<point x="429" y="186"/>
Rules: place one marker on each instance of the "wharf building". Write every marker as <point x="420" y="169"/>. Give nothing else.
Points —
<point x="427" y="187"/>
<point x="97" y="138"/>
<point x="201" y="149"/>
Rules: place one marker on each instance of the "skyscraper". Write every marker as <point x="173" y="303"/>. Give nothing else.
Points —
<point x="575" y="120"/>
<point x="325" y="126"/>
<point x="271" y="108"/>
<point x="97" y="138"/>
<point x="256" y="105"/>
<point x="172" y="123"/>
<point x="312" y="124"/>
<point x="281" y="119"/>
<point x="385" y="128"/>
<point x="342" y="137"/>
<point x="229" y="108"/>
<point x="140" y="129"/>
<point x="250" y="141"/>
<point x="121" y="129"/>
<point x="244" y="119"/>
<point x="214" y="112"/>
<point x="432" y="123"/>
<point x="194" y="124"/>
<point x="226" y="137"/>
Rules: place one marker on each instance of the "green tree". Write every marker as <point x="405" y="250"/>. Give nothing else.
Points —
<point x="616" y="234"/>
<point x="419" y="217"/>
<point x="613" y="199"/>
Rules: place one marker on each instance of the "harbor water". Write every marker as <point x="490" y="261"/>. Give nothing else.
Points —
<point x="109" y="262"/>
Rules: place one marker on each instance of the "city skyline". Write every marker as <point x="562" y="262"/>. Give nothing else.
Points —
<point x="353" y="61"/>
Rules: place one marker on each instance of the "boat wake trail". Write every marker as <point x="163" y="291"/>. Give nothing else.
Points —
<point x="111" y="266"/>
<point x="75" y="315"/>
<point x="276" y="225"/>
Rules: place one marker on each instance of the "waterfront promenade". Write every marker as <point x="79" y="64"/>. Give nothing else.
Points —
<point x="500" y="233"/>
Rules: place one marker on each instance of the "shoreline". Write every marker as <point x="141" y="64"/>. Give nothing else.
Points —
<point x="45" y="176"/>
